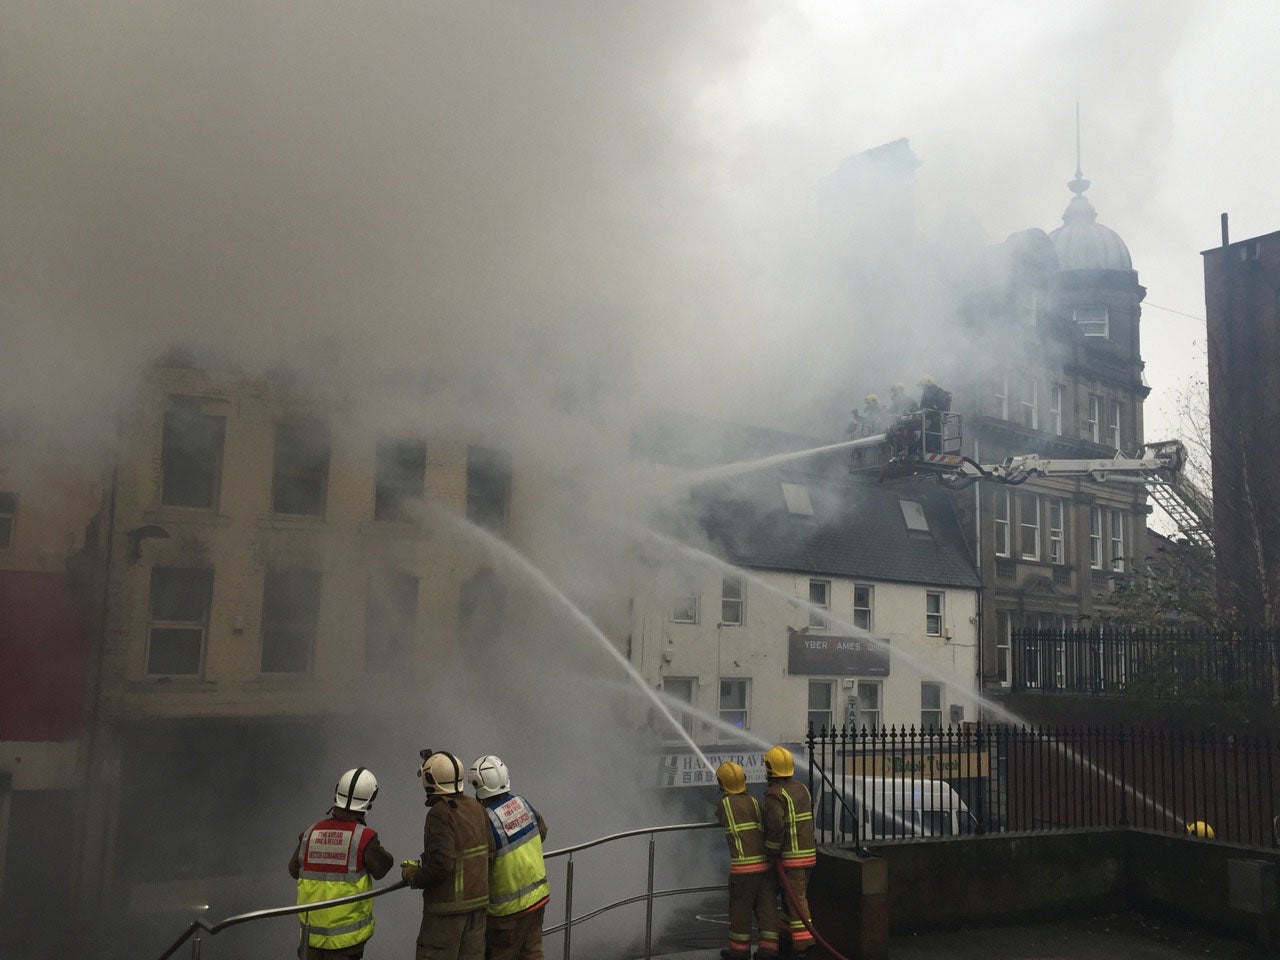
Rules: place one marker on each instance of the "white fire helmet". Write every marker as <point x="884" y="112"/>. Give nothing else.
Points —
<point x="355" y="790"/>
<point x="489" y="776"/>
<point x="441" y="773"/>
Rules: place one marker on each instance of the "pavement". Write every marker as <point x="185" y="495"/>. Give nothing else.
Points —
<point x="1124" y="936"/>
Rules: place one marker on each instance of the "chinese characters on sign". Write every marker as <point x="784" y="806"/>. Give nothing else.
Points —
<point x="686" y="770"/>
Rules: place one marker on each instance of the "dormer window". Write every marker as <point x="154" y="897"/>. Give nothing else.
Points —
<point x="1093" y="322"/>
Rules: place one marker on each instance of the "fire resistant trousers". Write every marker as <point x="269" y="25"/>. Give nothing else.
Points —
<point x="452" y="936"/>
<point x="347" y="953"/>
<point x="798" y="880"/>
<point x="752" y="895"/>
<point x="518" y="937"/>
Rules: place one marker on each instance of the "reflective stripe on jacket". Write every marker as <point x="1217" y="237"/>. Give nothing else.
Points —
<point x="455" y="857"/>
<point x="739" y="814"/>
<point x="788" y="823"/>
<point x="331" y="865"/>
<point x="518" y="878"/>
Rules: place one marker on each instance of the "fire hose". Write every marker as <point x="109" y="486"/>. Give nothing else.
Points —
<point x="796" y="911"/>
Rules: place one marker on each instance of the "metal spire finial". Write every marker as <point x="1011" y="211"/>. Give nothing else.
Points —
<point x="1079" y="185"/>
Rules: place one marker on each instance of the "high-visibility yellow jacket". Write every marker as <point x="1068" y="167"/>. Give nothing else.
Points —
<point x="331" y="864"/>
<point x="739" y="814"/>
<point x="788" y="823"/>
<point x="517" y="877"/>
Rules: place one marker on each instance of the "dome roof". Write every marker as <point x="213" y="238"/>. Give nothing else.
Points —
<point x="1084" y="244"/>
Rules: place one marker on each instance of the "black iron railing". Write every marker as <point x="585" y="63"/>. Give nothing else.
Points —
<point x="903" y="783"/>
<point x="1152" y="664"/>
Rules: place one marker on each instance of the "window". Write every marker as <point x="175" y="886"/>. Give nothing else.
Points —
<point x="301" y="469"/>
<point x="819" y="596"/>
<point x="930" y="706"/>
<point x="1027" y="411"/>
<point x="1095" y="538"/>
<point x="1092" y="322"/>
<point x="821" y="702"/>
<point x="482" y="609"/>
<point x="797" y="497"/>
<point x="191" y="458"/>
<point x="1114" y="427"/>
<point x="685" y="609"/>
<point x="178" y="621"/>
<point x="680" y="688"/>
<point x="401" y="474"/>
<point x="290" y="608"/>
<point x="733" y="703"/>
<point x="933" y="614"/>
<point x="390" y="618"/>
<point x="1055" y="409"/>
<point x="1029" y="522"/>
<point x="1001" y="397"/>
<point x="869" y="705"/>
<point x="1004" y="644"/>
<point x="862" y="597"/>
<point x="1029" y="308"/>
<point x="1117" y="541"/>
<point x="8" y="514"/>
<point x="913" y="514"/>
<point x="488" y="487"/>
<point x="1093" y="426"/>
<point x="1057" y="551"/>
<point x="732" y="606"/>
<point x="1003" y="499"/>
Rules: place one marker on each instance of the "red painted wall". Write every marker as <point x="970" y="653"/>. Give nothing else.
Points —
<point x="44" y="658"/>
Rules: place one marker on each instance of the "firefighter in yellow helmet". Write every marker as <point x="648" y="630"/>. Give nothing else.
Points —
<point x="789" y="840"/>
<point x="750" y="895"/>
<point x="336" y="857"/>
<point x="453" y="872"/>
<point x="518" y="887"/>
<point x="1200" y="829"/>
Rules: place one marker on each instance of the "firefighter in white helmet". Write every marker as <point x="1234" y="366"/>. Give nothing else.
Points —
<point x="336" y="857"/>
<point x="453" y="871"/>
<point x="518" y="887"/>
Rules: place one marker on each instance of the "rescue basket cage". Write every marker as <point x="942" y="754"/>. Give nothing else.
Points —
<point x="201" y="926"/>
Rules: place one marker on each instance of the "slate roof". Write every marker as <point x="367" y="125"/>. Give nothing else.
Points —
<point x="857" y="530"/>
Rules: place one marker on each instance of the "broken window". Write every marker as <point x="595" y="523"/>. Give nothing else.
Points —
<point x="301" y="468"/>
<point x="191" y="458"/>
<point x="401" y="469"/>
<point x="178" y="621"/>
<point x="390" y="618"/>
<point x="8" y="514"/>
<point x="488" y="487"/>
<point x="290" y="609"/>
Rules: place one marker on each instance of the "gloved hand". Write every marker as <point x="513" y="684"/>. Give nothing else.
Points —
<point x="409" y="871"/>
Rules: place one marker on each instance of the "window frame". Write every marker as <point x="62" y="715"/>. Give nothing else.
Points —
<point x="9" y="501"/>
<point x="867" y="611"/>
<point x="308" y="628"/>
<point x="860" y="690"/>
<point x="1001" y="395"/>
<point x="1023" y="500"/>
<point x="1113" y="426"/>
<point x="281" y="480"/>
<point x="696" y="599"/>
<point x="818" y="621"/>
<point x="726" y="600"/>
<point x="1058" y="533"/>
<point x="1117" y="526"/>
<point x="744" y="710"/>
<point x="932" y="686"/>
<point x="490" y="480"/>
<point x="1028" y="401"/>
<point x="1055" y="408"/>
<point x="394" y="486"/>
<point x="1093" y="321"/>
<point x="829" y="723"/>
<point x="686" y="719"/>
<point x="931" y="616"/>
<point x="170" y="455"/>
<point x="385" y="654"/>
<point x="1093" y="426"/>
<point x="201" y="626"/>
<point x="1003" y="495"/>
<point x="1004" y="648"/>
<point x="1095" y="538"/>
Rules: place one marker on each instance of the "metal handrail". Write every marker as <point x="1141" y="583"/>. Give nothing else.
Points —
<point x="565" y="925"/>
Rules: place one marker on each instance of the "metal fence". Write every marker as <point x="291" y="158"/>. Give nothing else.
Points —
<point x="898" y="783"/>
<point x="192" y="934"/>
<point x="1149" y="663"/>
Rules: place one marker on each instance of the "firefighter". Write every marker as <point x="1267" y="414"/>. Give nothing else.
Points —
<point x="518" y="887"/>
<point x="789" y="840"/>
<point x="453" y="871"/>
<point x="336" y="857"/>
<point x="898" y="402"/>
<point x="872" y="415"/>
<point x="750" y="895"/>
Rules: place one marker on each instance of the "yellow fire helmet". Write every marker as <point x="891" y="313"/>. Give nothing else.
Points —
<point x="872" y="398"/>
<point x="1200" y="829"/>
<point x="733" y="779"/>
<point x="926" y="380"/>
<point x="778" y="762"/>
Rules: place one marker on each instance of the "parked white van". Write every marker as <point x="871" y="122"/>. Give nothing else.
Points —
<point x="890" y="808"/>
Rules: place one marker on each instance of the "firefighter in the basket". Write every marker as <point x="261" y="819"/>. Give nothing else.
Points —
<point x="453" y="872"/>
<point x="789" y="842"/>
<point x="336" y="857"/>
<point x="751" y="895"/>
<point x="518" y="887"/>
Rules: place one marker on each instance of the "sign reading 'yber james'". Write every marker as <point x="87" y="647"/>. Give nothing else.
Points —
<point x="835" y="656"/>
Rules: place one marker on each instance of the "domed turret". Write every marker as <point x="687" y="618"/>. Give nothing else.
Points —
<point x="1084" y="244"/>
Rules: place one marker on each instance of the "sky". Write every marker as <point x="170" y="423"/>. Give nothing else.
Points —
<point x="591" y="185"/>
